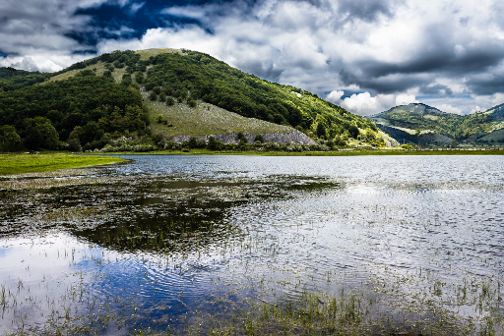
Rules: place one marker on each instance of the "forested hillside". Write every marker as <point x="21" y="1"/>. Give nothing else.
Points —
<point x="84" y="111"/>
<point x="95" y="102"/>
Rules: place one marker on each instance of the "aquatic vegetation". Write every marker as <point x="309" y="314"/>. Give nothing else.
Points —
<point x="147" y="214"/>
<point x="352" y="314"/>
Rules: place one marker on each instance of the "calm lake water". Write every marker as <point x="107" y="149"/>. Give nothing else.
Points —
<point x="158" y="241"/>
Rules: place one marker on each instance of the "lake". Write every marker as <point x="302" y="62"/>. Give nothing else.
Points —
<point x="166" y="243"/>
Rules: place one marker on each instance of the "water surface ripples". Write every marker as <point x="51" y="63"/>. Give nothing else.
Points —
<point x="164" y="236"/>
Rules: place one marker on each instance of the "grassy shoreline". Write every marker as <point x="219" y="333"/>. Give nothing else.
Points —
<point x="20" y="163"/>
<point x="350" y="152"/>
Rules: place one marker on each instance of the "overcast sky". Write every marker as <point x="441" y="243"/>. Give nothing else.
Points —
<point x="366" y="55"/>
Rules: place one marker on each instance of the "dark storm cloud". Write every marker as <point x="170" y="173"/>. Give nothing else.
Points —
<point x="368" y="10"/>
<point x="487" y="85"/>
<point x="388" y="84"/>
<point x="263" y="70"/>
<point x="440" y="60"/>
<point x="436" y="90"/>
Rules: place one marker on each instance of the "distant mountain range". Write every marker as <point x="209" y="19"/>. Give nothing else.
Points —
<point x="159" y="98"/>
<point x="428" y="126"/>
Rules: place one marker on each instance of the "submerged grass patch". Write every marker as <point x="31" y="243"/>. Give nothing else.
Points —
<point x="352" y="314"/>
<point x="31" y="163"/>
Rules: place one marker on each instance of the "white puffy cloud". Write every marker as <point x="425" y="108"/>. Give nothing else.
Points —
<point x="364" y="103"/>
<point x="335" y="96"/>
<point x="41" y="62"/>
<point x="404" y="99"/>
<point x="449" y="108"/>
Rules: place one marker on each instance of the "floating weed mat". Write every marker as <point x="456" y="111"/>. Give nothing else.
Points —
<point x="134" y="213"/>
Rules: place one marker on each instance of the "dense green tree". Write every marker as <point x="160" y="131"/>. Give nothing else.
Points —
<point x="354" y="131"/>
<point x="259" y="138"/>
<point x="321" y="130"/>
<point x="192" y="103"/>
<point x="214" y="144"/>
<point x="39" y="133"/>
<point x="126" y="79"/>
<point x="139" y="77"/>
<point x="9" y="139"/>
<point x="195" y="143"/>
<point x="90" y="134"/>
<point x="74" y="143"/>
<point x="170" y="101"/>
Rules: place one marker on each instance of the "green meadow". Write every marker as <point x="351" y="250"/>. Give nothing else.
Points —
<point x="32" y="163"/>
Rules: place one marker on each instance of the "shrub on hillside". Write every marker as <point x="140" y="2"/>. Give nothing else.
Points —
<point x="9" y="139"/>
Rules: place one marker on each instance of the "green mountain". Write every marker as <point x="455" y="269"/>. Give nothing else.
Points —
<point x="485" y="128"/>
<point x="163" y="98"/>
<point x="427" y="126"/>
